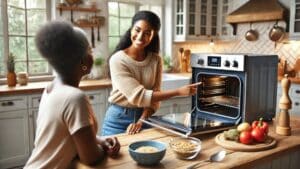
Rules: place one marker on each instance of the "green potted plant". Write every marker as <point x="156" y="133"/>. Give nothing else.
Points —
<point x="97" y="70"/>
<point x="11" y="75"/>
<point x="167" y="67"/>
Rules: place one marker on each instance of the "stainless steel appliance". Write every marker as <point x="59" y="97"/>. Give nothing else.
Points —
<point x="235" y="88"/>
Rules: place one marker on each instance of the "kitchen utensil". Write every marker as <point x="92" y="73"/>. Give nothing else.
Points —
<point x="187" y="55"/>
<point x="283" y="118"/>
<point x="98" y="33"/>
<point x="217" y="157"/>
<point x="93" y="37"/>
<point x="73" y="2"/>
<point x="72" y="18"/>
<point x="251" y="35"/>
<point x="297" y="68"/>
<point x="182" y="60"/>
<point x="276" y="32"/>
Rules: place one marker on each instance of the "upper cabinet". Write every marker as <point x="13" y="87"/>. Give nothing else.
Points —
<point x="295" y="20"/>
<point x="200" y="19"/>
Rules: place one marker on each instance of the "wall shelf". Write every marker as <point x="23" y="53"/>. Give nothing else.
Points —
<point x="84" y="23"/>
<point x="80" y="9"/>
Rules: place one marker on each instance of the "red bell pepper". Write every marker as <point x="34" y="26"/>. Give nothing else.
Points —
<point x="261" y="125"/>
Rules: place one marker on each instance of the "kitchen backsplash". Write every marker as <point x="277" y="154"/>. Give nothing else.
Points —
<point x="290" y="50"/>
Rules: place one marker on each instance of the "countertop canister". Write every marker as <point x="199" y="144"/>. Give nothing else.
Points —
<point x="22" y="78"/>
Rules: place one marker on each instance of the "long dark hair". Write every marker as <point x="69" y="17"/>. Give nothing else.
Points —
<point x="125" y="40"/>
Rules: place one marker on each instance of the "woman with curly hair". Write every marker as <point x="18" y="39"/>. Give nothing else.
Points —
<point x="66" y="124"/>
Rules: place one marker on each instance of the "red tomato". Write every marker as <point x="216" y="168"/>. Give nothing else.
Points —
<point x="261" y="124"/>
<point x="258" y="134"/>
<point x="245" y="137"/>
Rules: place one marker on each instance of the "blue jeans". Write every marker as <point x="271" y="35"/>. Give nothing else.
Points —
<point x="118" y="118"/>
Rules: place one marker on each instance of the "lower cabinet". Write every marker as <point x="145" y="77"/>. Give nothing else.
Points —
<point x="33" y="108"/>
<point x="18" y="116"/>
<point x="14" y="131"/>
<point x="98" y="100"/>
<point x="175" y="105"/>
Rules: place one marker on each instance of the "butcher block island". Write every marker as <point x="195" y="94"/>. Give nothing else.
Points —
<point x="286" y="153"/>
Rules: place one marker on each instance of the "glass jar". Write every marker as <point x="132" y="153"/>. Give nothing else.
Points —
<point x="22" y="78"/>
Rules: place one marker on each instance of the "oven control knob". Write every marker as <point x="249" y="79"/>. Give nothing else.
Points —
<point x="200" y="62"/>
<point x="226" y="63"/>
<point x="235" y="64"/>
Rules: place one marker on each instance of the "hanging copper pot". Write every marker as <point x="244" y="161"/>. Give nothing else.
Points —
<point x="251" y="35"/>
<point x="276" y="32"/>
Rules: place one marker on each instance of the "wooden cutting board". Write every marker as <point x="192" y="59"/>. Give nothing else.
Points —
<point x="235" y="146"/>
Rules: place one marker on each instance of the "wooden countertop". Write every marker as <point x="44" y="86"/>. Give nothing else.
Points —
<point x="285" y="145"/>
<point x="38" y="87"/>
<point x="295" y="80"/>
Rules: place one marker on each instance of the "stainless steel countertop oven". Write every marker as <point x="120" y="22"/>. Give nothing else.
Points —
<point x="235" y="88"/>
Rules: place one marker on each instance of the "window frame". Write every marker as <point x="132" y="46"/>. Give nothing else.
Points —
<point x="32" y="78"/>
<point x="136" y="6"/>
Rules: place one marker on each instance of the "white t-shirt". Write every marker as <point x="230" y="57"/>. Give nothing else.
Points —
<point x="62" y="112"/>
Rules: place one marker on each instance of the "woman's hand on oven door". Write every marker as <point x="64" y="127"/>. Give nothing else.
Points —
<point x="188" y="90"/>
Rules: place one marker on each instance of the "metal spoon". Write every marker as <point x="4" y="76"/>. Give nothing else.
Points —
<point x="217" y="157"/>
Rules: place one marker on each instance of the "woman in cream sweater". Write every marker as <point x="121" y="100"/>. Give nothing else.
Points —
<point x="136" y="72"/>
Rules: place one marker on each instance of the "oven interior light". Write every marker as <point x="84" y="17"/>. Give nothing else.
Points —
<point x="216" y="123"/>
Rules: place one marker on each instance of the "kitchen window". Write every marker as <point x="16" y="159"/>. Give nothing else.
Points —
<point x="120" y="15"/>
<point x="20" y="20"/>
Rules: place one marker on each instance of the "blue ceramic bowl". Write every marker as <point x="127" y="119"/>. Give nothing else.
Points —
<point x="147" y="158"/>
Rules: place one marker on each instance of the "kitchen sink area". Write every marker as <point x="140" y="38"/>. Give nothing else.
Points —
<point x="173" y="81"/>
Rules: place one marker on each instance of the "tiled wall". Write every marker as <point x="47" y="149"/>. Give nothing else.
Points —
<point x="284" y="49"/>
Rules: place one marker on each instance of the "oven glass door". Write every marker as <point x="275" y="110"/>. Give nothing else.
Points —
<point x="219" y="95"/>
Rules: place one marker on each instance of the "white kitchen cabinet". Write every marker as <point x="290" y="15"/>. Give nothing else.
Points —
<point x="98" y="100"/>
<point x="201" y="19"/>
<point x="295" y="19"/>
<point x="33" y="108"/>
<point x="294" y="94"/>
<point x="224" y="30"/>
<point x="14" y="131"/>
<point x="175" y="105"/>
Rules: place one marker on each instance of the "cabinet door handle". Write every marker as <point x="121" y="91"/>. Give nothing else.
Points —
<point x="9" y="103"/>
<point x="297" y="103"/>
<point x="297" y="91"/>
<point x="91" y="97"/>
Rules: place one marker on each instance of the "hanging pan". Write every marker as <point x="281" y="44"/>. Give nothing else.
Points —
<point x="251" y="35"/>
<point x="276" y="32"/>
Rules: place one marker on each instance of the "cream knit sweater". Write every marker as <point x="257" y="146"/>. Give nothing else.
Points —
<point x="133" y="82"/>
